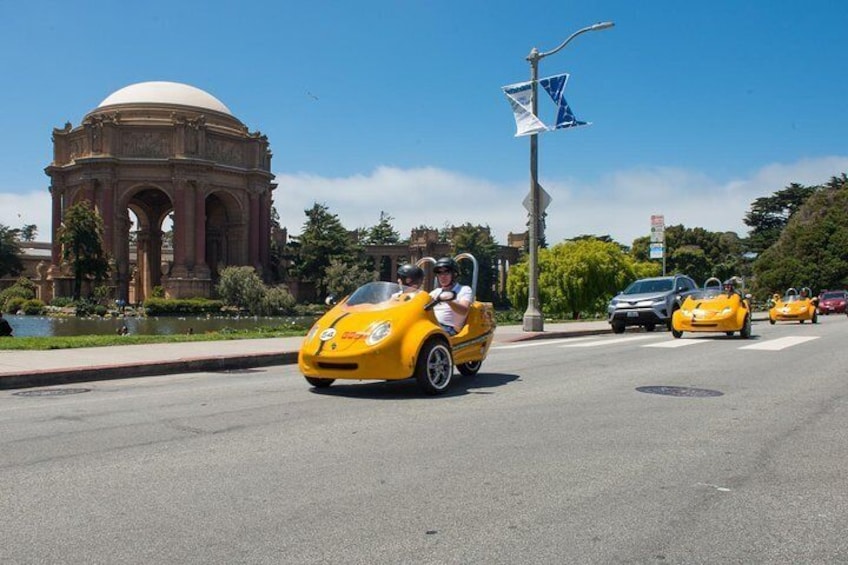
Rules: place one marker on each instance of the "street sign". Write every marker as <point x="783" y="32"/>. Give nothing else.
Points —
<point x="657" y="228"/>
<point x="544" y="200"/>
<point x="656" y="251"/>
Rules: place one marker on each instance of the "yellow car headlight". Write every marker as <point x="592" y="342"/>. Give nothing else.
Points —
<point x="726" y="311"/>
<point x="378" y="333"/>
<point x="311" y="332"/>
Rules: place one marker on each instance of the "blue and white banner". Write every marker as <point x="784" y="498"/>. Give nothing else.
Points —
<point x="554" y="86"/>
<point x="520" y="98"/>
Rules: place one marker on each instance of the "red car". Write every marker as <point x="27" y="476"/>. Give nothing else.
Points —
<point x="833" y="302"/>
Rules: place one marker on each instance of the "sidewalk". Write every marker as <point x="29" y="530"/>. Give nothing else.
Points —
<point x="22" y="369"/>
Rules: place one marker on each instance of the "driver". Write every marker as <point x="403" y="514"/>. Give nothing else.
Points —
<point x="410" y="275"/>
<point x="451" y="314"/>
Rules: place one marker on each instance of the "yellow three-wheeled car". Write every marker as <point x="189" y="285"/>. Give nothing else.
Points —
<point x="383" y="331"/>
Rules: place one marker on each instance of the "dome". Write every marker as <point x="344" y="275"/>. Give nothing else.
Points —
<point x="160" y="92"/>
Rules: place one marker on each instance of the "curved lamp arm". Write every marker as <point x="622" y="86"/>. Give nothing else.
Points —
<point x="534" y="53"/>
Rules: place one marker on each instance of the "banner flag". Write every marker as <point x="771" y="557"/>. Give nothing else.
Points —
<point x="555" y="86"/>
<point x="521" y="100"/>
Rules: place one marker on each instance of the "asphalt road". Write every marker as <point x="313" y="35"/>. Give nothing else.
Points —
<point x="552" y="454"/>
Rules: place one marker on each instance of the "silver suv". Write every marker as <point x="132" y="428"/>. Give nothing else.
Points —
<point x="648" y="302"/>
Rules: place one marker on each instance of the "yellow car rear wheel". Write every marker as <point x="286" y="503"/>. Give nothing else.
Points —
<point x="469" y="369"/>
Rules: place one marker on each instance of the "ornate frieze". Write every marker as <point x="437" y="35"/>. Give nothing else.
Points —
<point x="224" y="151"/>
<point x="145" y="144"/>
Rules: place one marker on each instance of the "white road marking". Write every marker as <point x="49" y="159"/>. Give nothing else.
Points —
<point x="536" y="342"/>
<point x="677" y="343"/>
<point x="780" y="343"/>
<point x="598" y="342"/>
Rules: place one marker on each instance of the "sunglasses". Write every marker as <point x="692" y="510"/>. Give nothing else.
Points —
<point x="441" y="272"/>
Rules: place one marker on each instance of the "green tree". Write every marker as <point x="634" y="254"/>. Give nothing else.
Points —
<point x="769" y="215"/>
<point x="81" y="237"/>
<point x="577" y="277"/>
<point x="383" y="233"/>
<point x="697" y="252"/>
<point x="323" y="238"/>
<point x="342" y="278"/>
<point x="811" y="250"/>
<point x="478" y="241"/>
<point x="10" y="251"/>
<point x="28" y="232"/>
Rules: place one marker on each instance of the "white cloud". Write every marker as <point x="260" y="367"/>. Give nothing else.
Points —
<point x="619" y="204"/>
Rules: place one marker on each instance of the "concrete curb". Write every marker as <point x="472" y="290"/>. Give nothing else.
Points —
<point x="153" y="369"/>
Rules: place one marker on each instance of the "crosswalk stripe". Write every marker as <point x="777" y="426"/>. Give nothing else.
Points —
<point x="537" y="342"/>
<point x="780" y="343"/>
<point x="598" y="342"/>
<point x="676" y="343"/>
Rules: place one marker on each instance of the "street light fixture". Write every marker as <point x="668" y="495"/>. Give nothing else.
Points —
<point x="533" y="321"/>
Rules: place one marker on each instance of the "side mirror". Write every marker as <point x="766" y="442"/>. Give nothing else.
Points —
<point x="330" y="300"/>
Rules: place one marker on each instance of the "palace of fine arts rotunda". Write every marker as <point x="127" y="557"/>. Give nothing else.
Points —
<point x="163" y="151"/>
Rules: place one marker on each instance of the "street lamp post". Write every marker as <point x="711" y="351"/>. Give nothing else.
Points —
<point x="533" y="321"/>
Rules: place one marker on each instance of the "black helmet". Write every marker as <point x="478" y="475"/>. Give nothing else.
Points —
<point x="730" y="283"/>
<point x="410" y="274"/>
<point x="446" y="263"/>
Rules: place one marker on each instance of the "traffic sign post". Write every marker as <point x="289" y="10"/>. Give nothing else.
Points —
<point x="657" y="246"/>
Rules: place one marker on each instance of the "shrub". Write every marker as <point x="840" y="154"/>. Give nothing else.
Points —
<point x="33" y="307"/>
<point x="13" y="304"/>
<point x="241" y="287"/>
<point x="165" y="306"/>
<point x="61" y="301"/>
<point x="100" y="310"/>
<point x="277" y="301"/>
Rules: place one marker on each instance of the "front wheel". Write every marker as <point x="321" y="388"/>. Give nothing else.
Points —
<point x="676" y="333"/>
<point x="771" y="321"/>
<point x="319" y="383"/>
<point x="434" y="367"/>
<point x="469" y="369"/>
<point x="618" y="327"/>
<point x="650" y="327"/>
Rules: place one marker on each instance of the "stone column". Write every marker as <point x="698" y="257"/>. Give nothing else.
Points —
<point x="57" y="196"/>
<point x="201" y="269"/>
<point x="253" y="233"/>
<point x="179" y="269"/>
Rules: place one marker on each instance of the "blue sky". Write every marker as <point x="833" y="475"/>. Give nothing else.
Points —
<point x="697" y="108"/>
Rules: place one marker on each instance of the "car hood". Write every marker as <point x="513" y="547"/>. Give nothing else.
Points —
<point x="639" y="297"/>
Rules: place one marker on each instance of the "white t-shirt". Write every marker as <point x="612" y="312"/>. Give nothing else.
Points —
<point x="444" y="313"/>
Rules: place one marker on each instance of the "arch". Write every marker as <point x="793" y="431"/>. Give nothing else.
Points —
<point x="226" y="241"/>
<point x="141" y="273"/>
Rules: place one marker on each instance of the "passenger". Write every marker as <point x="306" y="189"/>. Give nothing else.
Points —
<point x="451" y="314"/>
<point x="410" y="275"/>
<point x="730" y="287"/>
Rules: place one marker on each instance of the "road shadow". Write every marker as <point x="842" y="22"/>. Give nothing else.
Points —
<point x="408" y="389"/>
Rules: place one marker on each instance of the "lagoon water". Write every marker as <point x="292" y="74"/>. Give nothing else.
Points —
<point x="30" y="326"/>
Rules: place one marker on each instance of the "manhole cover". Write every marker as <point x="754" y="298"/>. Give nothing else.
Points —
<point x="679" y="391"/>
<point x="52" y="391"/>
